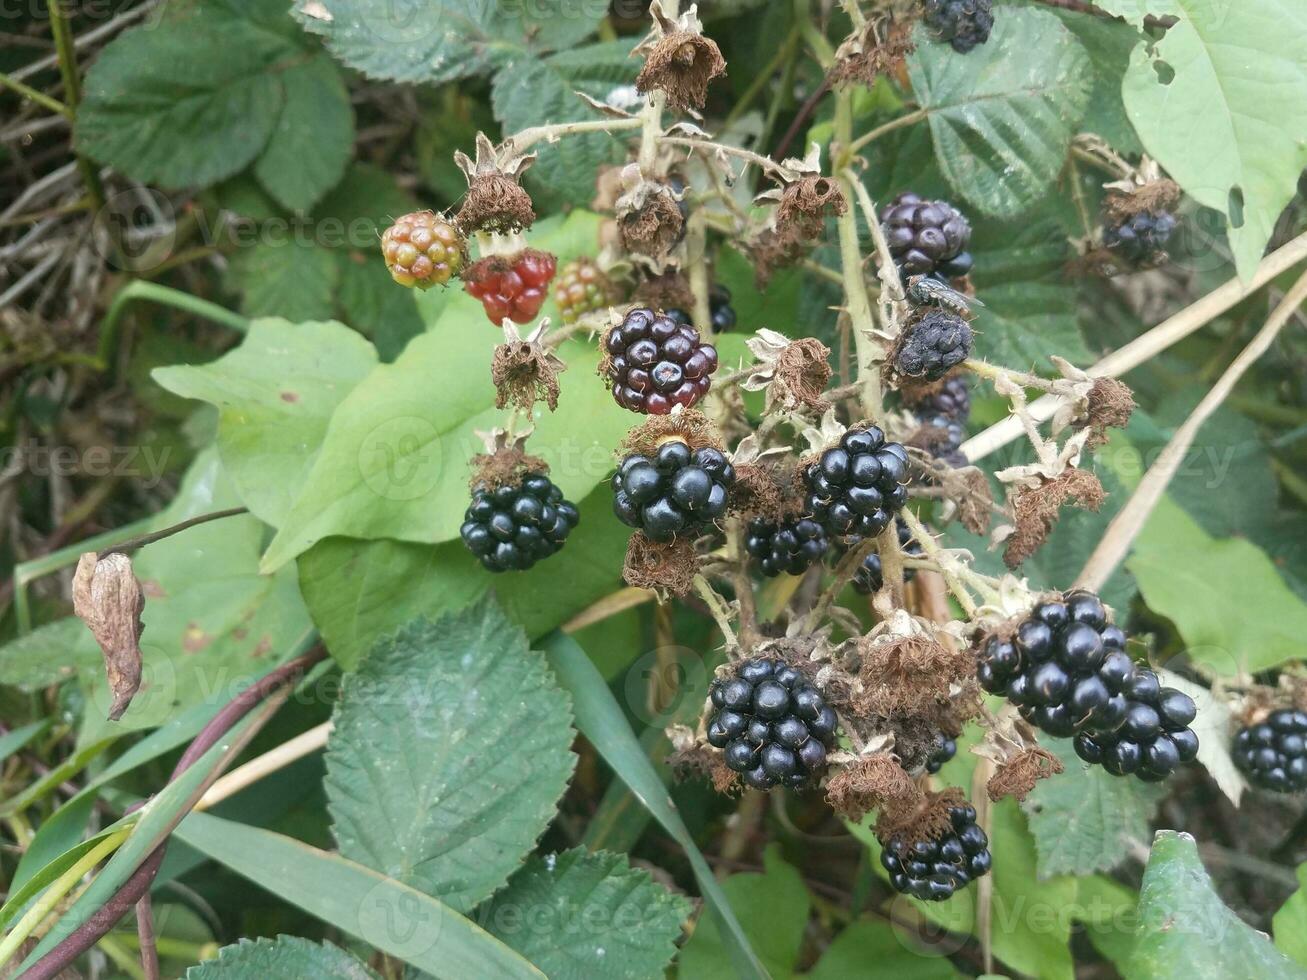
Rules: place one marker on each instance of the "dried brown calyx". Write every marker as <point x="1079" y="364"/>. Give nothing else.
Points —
<point x="667" y="291"/>
<point x="667" y="568"/>
<point x="872" y="782"/>
<point x="525" y="369"/>
<point x="1035" y="508"/>
<point x="691" y="757"/>
<point x="678" y="60"/>
<point x="909" y="671"/>
<point x="881" y="49"/>
<point x="505" y="462"/>
<point x="649" y="218"/>
<point x="495" y="201"/>
<point x="688" y="425"/>
<point x="926" y="818"/>
<point x="1110" y="405"/>
<point x="108" y="599"/>
<point x="1128" y="198"/>
<point x="793" y="373"/>
<point x="1018" y="775"/>
<point x="807" y="202"/>
<point x="773" y="249"/>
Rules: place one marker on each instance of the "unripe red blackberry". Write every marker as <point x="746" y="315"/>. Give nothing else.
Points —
<point x="932" y="870"/>
<point x="927" y="238"/>
<point x="423" y="249"/>
<point x="655" y="363"/>
<point x="678" y="491"/>
<point x="511" y="286"/>
<point x="855" y="487"/>
<point x="514" y="526"/>
<point x="773" y="726"/>
<point x="791" y="546"/>
<point x="1273" y="752"/>
<point x="581" y="288"/>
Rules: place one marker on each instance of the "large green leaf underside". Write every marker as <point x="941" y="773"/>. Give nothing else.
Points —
<point x="1186" y="931"/>
<point x="449" y="751"/>
<point x="584" y="916"/>
<point x="286" y="957"/>
<point x="1221" y="102"/>
<point x="275" y="394"/>
<point x="1003" y="116"/>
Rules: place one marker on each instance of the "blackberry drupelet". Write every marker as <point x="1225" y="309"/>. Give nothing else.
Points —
<point x="1273" y="753"/>
<point x="791" y="546"/>
<point x="964" y="24"/>
<point x="513" y="527"/>
<point x="952" y="400"/>
<point x="935" y="344"/>
<point x="871" y="576"/>
<point x="1141" y="237"/>
<point x="678" y="491"/>
<point x="512" y="287"/>
<point x="773" y="726"/>
<point x="932" y="870"/>
<point x="855" y="487"/>
<point x="581" y="288"/>
<point x="423" y="249"/>
<point x="655" y="362"/>
<point x="945" y="750"/>
<point x="927" y="238"/>
<point x="1153" y="739"/>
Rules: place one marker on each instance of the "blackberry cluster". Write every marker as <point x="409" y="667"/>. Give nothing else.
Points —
<point x="932" y="870"/>
<point x="1155" y="736"/>
<point x="513" y="527"/>
<point x="423" y="249"/>
<point x="511" y="287"/>
<point x="935" y="344"/>
<point x="965" y="24"/>
<point x="720" y="309"/>
<point x="678" y="491"/>
<point x="656" y="362"/>
<point x="944" y="414"/>
<point x="773" y="725"/>
<point x="855" y="487"/>
<point x="1140" y="237"/>
<point x="952" y="399"/>
<point x="945" y="749"/>
<point x="581" y="288"/>
<point x="1273" y="753"/>
<point x="871" y="576"/>
<point x="927" y="238"/>
<point x="791" y="546"/>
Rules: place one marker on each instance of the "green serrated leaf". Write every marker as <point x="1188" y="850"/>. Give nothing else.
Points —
<point x="579" y="916"/>
<point x="313" y="139"/>
<point x="51" y="653"/>
<point x="288" y="277"/>
<point x="1003" y="116"/>
<point x="1186" y="931"/>
<point x="1238" y="68"/>
<point x="1086" y="820"/>
<point x="448" y="753"/>
<point x="185" y="102"/>
<point x="372" y="304"/>
<point x="287" y="957"/>
<point x="275" y="394"/>
<point x="531" y="91"/>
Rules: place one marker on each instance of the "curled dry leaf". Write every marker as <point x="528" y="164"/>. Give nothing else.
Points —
<point x="108" y="599"/>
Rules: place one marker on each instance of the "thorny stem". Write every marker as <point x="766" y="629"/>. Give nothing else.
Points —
<point x="765" y="163"/>
<point x="40" y="98"/>
<point x="891" y="562"/>
<point x="1127" y="524"/>
<point x="743" y="584"/>
<point x="995" y="373"/>
<point x="946" y="569"/>
<point x="843" y="574"/>
<point x="695" y="248"/>
<point x="67" y="53"/>
<point x="891" y="286"/>
<point x="521" y="141"/>
<point x="859" y="309"/>
<point x="720" y="614"/>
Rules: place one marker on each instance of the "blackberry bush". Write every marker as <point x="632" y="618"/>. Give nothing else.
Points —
<point x="510" y="528"/>
<point x="856" y="487"/>
<point x="933" y="869"/>
<point x="1273" y="752"/>
<point x="772" y="725"/>
<point x="678" y="491"/>
<point x="655" y="363"/>
<point x="927" y="238"/>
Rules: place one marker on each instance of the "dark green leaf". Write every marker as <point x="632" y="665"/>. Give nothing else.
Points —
<point x="287" y="276"/>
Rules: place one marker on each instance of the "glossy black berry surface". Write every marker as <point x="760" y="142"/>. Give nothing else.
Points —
<point x="857" y="486"/>
<point x="791" y="546"/>
<point x="719" y="307"/>
<point x="1153" y="740"/>
<point x="945" y="749"/>
<point x="772" y="725"/>
<point x="1273" y="753"/>
<point x="656" y="362"/>
<point x="1141" y="237"/>
<point x="513" y="527"/>
<point x="870" y="576"/>
<point x="932" y="870"/>
<point x="935" y="344"/>
<point x="676" y="491"/>
<point x="952" y="400"/>
<point x="962" y="23"/>
<point x="927" y="238"/>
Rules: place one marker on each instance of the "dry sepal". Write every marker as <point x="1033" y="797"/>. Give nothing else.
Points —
<point x="525" y="369"/>
<point x="679" y="60"/>
<point x="495" y="201"/>
<point x="793" y="373"/>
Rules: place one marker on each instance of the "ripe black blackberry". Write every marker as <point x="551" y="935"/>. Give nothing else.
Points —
<point x="1153" y="739"/>
<point x="719" y="306"/>
<point x="945" y="749"/>
<point x="962" y="23"/>
<point x="510" y="528"/>
<point x="934" y="344"/>
<point x="773" y="726"/>
<point x="870" y="577"/>
<point x="942" y="436"/>
<point x="927" y="238"/>
<point x="1065" y="667"/>
<point x="932" y="870"/>
<point x="655" y="362"/>
<point x="791" y="546"/>
<point x="952" y="400"/>
<point x="1141" y="237"/>
<point x="1273" y="753"/>
<point x="855" y="487"/>
<point x="678" y="491"/>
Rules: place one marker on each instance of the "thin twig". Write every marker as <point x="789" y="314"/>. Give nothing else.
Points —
<point x="167" y="532"/>
<point x="889" y="127"/>
<point x="720" y="613"/>
<point x="1127" y="524"/>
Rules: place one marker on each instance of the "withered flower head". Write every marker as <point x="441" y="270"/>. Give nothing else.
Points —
<point x="678" y="60"/>
<point x="667" y="568"/>
<point x="872" y="782"/>
<point x="880" y="49"/>
<point x="505" y="462"/>
<point x="1035" y="507"/>
<point x="108" y="599"/>
<point x="649" y="217"/>
<point x="525" y="369"/>
<point x="495" y="200"/>
<point x="1018" y="775"/>
<point x="794" y="373"/>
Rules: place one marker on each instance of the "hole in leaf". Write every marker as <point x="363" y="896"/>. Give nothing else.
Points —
<point x="1165" y="73"/>
<point x="1235" y="207"/>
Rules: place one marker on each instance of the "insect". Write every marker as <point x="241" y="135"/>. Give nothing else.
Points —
<point x="929" y="291"/>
